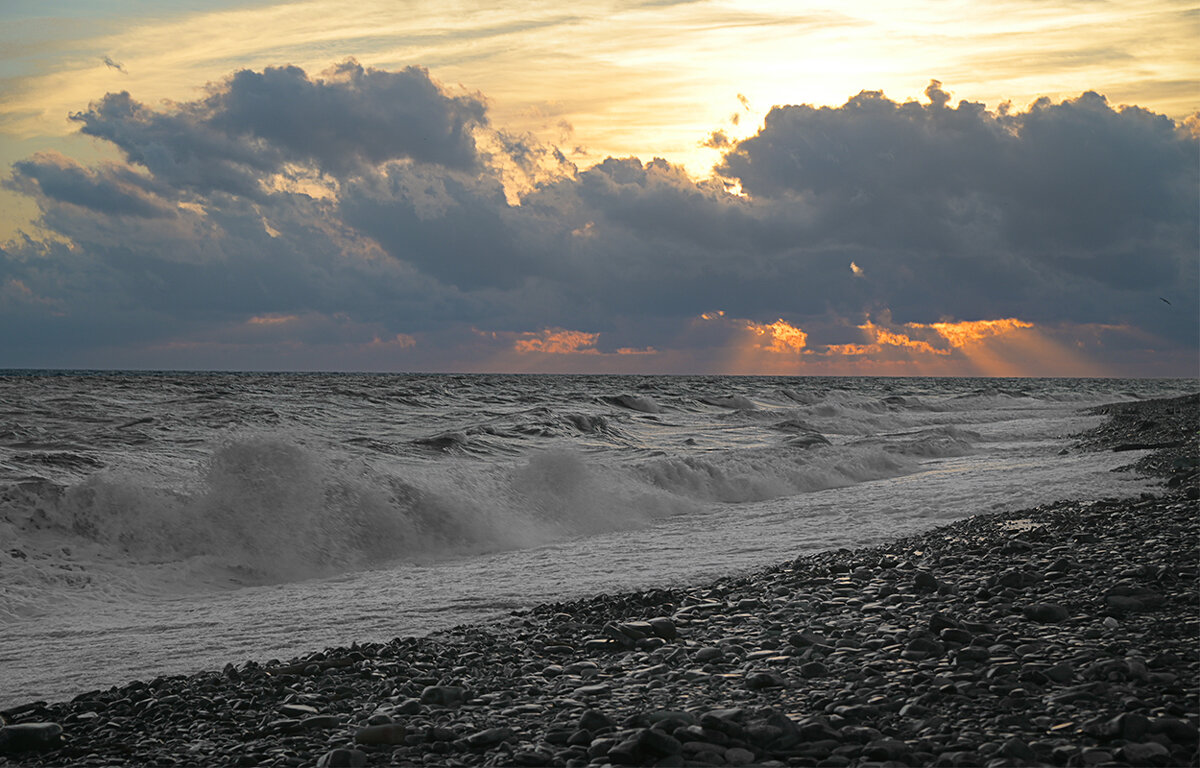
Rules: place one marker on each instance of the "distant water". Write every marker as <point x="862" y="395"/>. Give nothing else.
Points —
<point x="158" y="524"/>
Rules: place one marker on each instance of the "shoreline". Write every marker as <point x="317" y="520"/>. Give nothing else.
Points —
<point x="1061" y="635"/>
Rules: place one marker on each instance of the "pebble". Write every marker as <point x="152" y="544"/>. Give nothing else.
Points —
<point x="1046" y="613"/>
<point x="342" y="758"/>
<point x="443" y="695"/>
<point x="489" y="738"/>
<point x="384" y="733"/>
<point x="25" y="737"/>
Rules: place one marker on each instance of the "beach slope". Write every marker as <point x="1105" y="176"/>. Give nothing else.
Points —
<point x="1062" y="635"/>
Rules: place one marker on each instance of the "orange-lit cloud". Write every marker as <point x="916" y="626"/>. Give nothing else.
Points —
<point x="1000" y="347"/>
<point x="632" y="351"/>
<point x="557" y="341"/>
<point x="970" y="331"/>
<point x="883" y="336"/>
<point x="852" y="350"/>
<point x="779" y="335"/>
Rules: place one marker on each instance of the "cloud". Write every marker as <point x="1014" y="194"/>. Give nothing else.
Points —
<point x="779" y="336"/>
<point x="557" y="341"/>
<point x="256" y="123"/>
<point x="108" y="189"/>
<point x="374" y="219"/>
<point x="349" y="119"/>
<point x="1084" y="189"/>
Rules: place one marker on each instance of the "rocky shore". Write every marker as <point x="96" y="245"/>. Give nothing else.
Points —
<point x="1064" y="635"/>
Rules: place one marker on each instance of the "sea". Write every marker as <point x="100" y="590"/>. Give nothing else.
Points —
<point x="167" y="523"/>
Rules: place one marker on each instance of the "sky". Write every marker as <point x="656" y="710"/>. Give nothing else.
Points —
<point x="960" y="188"/>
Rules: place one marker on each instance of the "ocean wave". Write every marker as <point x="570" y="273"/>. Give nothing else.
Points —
<point x="737" y="402"/>
<point x="271" y="510"/>
<point x="935" y="442"/>
<point x="642" y="403"/>
<point x="737" y="476"/>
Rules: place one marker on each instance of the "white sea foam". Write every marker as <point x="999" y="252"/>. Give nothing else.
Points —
<point x="213" y="519"/>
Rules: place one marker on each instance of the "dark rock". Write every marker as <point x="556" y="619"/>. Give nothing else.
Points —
<point x="758" y="680"/>
<point x="926" y="646"/>
<point x="29" y="737"/>
<point x="1016" y="547"/>
<point x="1018" y="750"/>
<point x="940" y="622"/>
<point x="654" y="742"/>
<point x="489" y="738"/>
<point x="443" y="695"/>
<point x="973" y="655"/>
<point x="883" y="749"/>
<point x="664" y="628"/>
<point x="599" y="689"/>
<point x="388" y="733"/>
<point x="1046" y="613"/>
<point x="923" y="581"/>
<point x="1145" y="753"/>
<point x="594" y="720"/>
<point x="625" y="753"/>
<point x="708" y="653"/>
<point x="532" y="758"/>
<point x="1178" y="731"/>
<point x="343" y="758"/>
<point x="320" y="722"/>
<point x="1129" y="726"/>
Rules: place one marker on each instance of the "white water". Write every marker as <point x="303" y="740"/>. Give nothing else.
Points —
<point x="193" y="548"/>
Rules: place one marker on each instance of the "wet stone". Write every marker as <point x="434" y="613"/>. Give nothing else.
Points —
<point x="759" y="680"/>
<point x="1145" y="753"/>
<point x="298" y="711"/>
<point x="1046" y="613"/>
<point x="923" y="581"/>
<point x="343" y="758"/>
<point x="443" y="695"/>
<point x="26" y="737"/>
<point x="320" y="722"/>
<point x="389" y="733"/>
<point x="489" y="738"/>
<point x="594" y="720"/>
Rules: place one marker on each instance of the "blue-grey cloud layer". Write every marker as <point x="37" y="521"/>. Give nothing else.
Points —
<point x="1065" y="213"/>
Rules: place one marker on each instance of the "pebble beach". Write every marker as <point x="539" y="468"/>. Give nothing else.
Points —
<point x="1064" y="635"/>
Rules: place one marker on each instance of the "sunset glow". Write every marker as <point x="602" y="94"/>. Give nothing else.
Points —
<point x="558" y="342"/>
<point x="779" y="336"/>
<point x="739" y="187"/>
<point x="968" y="332"/>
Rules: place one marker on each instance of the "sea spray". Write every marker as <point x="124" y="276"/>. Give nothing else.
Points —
<point x="149" y="521"/>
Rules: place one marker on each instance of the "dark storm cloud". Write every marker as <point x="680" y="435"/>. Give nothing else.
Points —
<point x="355" y="117"/>
<point x="108" y="189"/>
<point x="255" y="122"/>
<point x="1065" y="213"/>
<point x="180" y="148"/>
<point x="1077" y="187"/>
